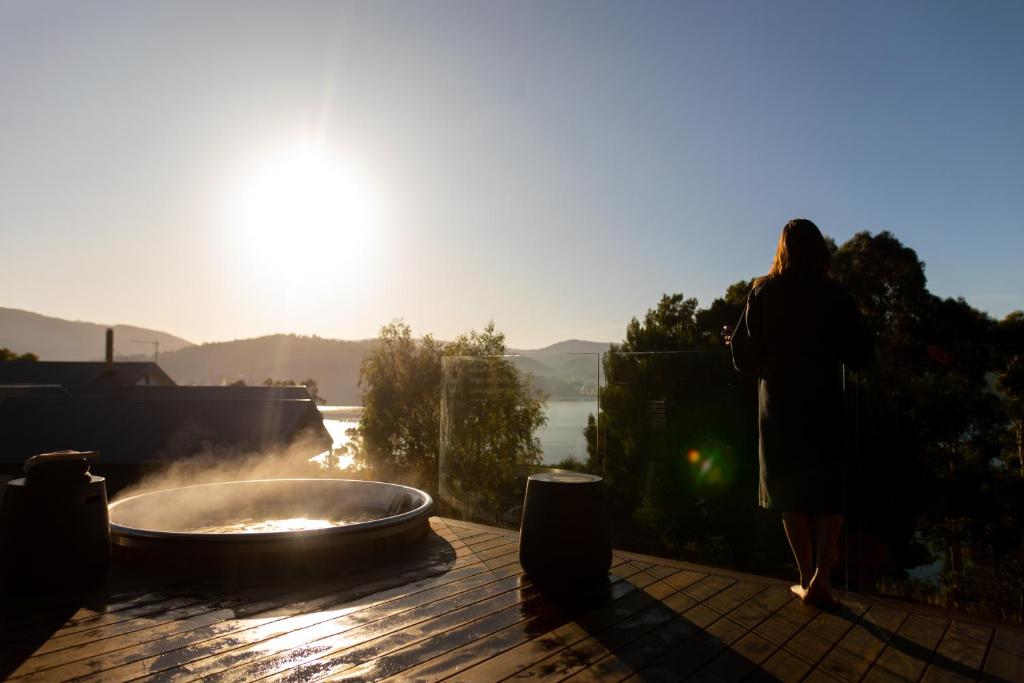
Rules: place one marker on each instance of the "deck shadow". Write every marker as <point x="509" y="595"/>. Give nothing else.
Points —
<point x="30" y="616"/>
<point x="633" y="633"/>
<point x="928" y="657"/>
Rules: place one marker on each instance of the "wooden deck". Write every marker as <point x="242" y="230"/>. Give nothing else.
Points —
<point x="460" y="609"/>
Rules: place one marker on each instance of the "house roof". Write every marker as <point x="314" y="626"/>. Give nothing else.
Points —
<point x="208" y="393"/>
<point x="133" y="428"/>
<point x="82" y="377"/>
<point x="33" y="391"/>
<point x="136" y="413"/>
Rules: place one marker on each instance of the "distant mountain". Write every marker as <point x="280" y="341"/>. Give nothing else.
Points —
<point x="567" y="370"/>
<point x="333" y="363"/>
<point x="58" y="339"/>
<point x="567" y="346"/>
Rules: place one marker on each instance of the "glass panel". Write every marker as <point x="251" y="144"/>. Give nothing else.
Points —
<point x="938" y="514"/>
<point x="677" y="446"/>
<point x="505" y="417"/>
<point x="934" y="471"/>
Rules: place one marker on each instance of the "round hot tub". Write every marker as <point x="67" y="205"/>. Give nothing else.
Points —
<point x="293" y="520"/>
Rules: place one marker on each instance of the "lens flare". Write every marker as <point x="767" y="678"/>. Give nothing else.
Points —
<point x="693" y="456"/>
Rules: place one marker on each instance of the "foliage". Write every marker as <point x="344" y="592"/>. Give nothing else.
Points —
<point x="6" y="354"/>
<point x="490" y="415"/>
<point x="938" y="437"/>
<point x="677" y="430"/>
<point x="484" y="411"/>
<point x="401" y="382"/>
<point x="1011" y="379"/>
<point x="571" y="464"/>
<point x="309" y="383"/>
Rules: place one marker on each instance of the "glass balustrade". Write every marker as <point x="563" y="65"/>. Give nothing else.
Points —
<point x="934" y="483"/>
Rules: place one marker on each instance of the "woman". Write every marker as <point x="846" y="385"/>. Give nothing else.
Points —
<point x="798" y="328"/>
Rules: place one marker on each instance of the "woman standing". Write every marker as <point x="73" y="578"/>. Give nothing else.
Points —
<point x="798" y="329"/>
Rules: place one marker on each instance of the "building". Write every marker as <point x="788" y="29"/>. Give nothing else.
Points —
<point x="136" y="416"/>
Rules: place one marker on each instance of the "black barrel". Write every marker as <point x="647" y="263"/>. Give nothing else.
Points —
<point x="54" y="528"/>
<point x="564" y="538"/>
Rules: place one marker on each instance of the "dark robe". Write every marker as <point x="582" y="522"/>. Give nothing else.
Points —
<point x="796" y="333"/>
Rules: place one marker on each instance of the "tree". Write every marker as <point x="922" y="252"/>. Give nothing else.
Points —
<point x="1011" y="379"/>
<point x="314" y="391"/>
<point x="7" y="355"/>
<point x="401" y="395"/>
<point x="675" y="442"/>
<point x="928" y="415"/>
<point x="420" y="396"/>
<point x="310" y="385"/>
<point x="490" y="413"/>
<point x="887" y="279"/>
<point x="937" y="427"/>
<point x="718" y="320"/>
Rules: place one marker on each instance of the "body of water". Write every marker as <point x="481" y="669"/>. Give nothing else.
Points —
<point x="561" y="438"/>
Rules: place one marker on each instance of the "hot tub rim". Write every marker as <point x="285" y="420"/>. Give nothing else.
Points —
<point x="422" y="511"/>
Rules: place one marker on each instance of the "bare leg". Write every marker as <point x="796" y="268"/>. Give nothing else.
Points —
<point x="798" y="531"/>
<point x="826" y="534"/>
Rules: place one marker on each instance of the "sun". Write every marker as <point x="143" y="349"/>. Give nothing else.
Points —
<point x="303" y="207"/>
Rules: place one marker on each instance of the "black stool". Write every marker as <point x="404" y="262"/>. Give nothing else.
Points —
<point x="564" y="538"/>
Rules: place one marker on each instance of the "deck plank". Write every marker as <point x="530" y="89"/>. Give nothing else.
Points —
<point x="462" y="610"/>
<point x="800" y="654"/>
<point x="907" y="656"/>
<point x="582" y="643"/>
<point x="117" y="646"/>
<point x="624" y="659"/>
<point x="543" y="645"/>
<point x="960" y="655"/>
<point x="857" y="651"/>
<point x="1005" y="659"/>
<point x="738" y="611"/>
<point x="346" y="638"/>
<point x="745" y="648"/>
<point x="227" y="643"/>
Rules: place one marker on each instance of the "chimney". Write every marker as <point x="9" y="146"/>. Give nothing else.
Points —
<point x="110" y="350"/>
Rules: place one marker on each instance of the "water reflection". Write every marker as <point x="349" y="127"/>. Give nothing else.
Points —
<point x="262" y="526"/>
<point x="338" y="420"/>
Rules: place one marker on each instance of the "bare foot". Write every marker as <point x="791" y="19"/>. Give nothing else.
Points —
<point x="819" y="593"/>
<point x="799" y="591"/>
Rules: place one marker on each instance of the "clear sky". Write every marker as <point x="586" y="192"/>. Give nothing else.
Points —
<point x="222" y="170"/>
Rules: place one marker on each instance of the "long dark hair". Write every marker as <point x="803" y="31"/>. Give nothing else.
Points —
<point x="801" y="247"/>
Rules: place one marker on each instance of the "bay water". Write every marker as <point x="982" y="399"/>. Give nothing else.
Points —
<point x="561" y="438"/>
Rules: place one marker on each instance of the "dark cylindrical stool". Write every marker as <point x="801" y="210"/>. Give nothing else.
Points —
<point x="564" y="538"/>
<point x="54" y="526"/>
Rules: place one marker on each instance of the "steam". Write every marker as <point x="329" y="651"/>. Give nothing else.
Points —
<point x="216" y="465"/>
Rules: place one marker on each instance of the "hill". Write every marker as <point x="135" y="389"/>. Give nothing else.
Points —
<point x="59" y="339"/>
<point x="566" y="369"/>
<point x="567" y="346"/>
<point x="333" y="363"/>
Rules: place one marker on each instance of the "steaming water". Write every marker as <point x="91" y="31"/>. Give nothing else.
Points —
<point x="262" y="526"/>
<point x="561" y="438"/>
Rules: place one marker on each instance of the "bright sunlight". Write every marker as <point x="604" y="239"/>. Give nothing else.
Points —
<point x="301" y="204"/>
